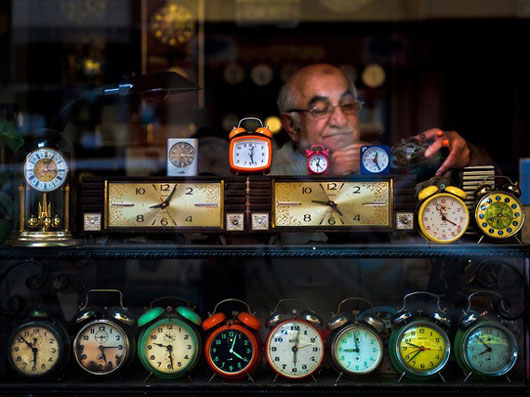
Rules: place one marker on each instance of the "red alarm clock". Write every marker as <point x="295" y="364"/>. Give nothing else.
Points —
<point x="250" y="151"/>
<point x="317" y="160"/>
<point x="233" y="347"/>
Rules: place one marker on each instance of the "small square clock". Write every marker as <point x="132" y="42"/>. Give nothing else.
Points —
<point x="375" y="160"/>
<point x="182" y="157"/>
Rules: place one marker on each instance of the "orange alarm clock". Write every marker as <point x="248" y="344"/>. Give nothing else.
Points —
<point x="233" y="347"/>
<point x="250" y="151"/>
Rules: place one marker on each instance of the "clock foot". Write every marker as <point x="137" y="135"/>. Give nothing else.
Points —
<point x="467" y="377"/>
<point x="148" y="377"/>
<point x="518" y="240"/>
<point x="401" y="377"/>
<point x="250" y="378"/>
<point x="274" y="380"/>
<point x="441" y="376"/>
<point x="508" y="378"/>
<point x="338" y="378"/>
<point x="314" y="379"/>
<point x="213" y="376"/>
<point x="223" y="239"/>
<point x="480" y="239"/>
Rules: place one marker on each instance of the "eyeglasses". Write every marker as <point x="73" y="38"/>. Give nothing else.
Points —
<point x="324" y="110"/>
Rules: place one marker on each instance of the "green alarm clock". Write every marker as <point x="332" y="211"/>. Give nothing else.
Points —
<point x="419" y="346"/>
<point x="169" y="345"/>
<point x="483" y="346"/>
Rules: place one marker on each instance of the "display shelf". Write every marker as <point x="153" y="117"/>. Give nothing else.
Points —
<point x="324" y="385"/>
<point x="172" y="251"/>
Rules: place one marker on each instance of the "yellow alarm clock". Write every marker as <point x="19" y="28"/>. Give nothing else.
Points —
<point x="443" y="216"/>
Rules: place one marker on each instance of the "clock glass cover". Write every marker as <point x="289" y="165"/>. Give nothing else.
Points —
<point x="231" y="351"/>
<point x="169" y="347"/>
<point x="332" y="204"/>
<point x="499" y="215"/>
<point x="182" y="154"/>
<point x="318" y="163"/>
<point x="45" y="169"/>
<point x="35" y="349"/>
<point x="490" y="349"/>
<point x="294" y="349"/>
<point x="101" y="347"/>
<point x="357" y="350"/>
<point x="375" y="159"/>
<point x="250" y="153"/>
<point x="443" y="218"/>
<point x="422" y="348"/>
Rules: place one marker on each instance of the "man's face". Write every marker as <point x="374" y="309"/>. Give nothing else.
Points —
<point x="336" y="130"/>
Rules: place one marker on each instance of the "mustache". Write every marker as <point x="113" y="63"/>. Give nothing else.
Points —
<point x="338" y="132"/>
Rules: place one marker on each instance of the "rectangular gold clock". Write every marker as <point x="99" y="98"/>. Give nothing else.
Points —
<point x="332" y="204"/>
<point x="163" y="205"/>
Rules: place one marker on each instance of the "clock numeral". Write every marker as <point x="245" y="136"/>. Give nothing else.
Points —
<point x="140" y="218"/>
<point x="307" y="190"/>
<point x="332" y="186"/>
<point x="164" y="222"/>
<point x="189" y="219"/>
<point x="189" y="191"/>
<point x="164" y="187"/>
<point x="307" y="217"/>
<point x="356" y="189"/>
<point x="357" y="218"/>
<point x="332" y="221"/>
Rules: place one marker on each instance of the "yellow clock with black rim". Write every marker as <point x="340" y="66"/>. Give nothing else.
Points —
<point x="499" y="214"/>
<point x="164" y="204"/>
<point x="443" y="216"/>
<point x="332" y="204"/>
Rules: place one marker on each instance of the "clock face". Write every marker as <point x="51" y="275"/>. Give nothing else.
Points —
<point x="332" y="204"/>
<point x="490" y="349"/>
<point x="169" y="348"/>
<point x="101" y="347"/>
<point x="173" y="23"/>
<point x="499" y="215"/>
<point x="45" y="169"/>
<point x="250" y="153"/>
<point x="182" y="155"/>
<point x="294" y="349"/>
<point x="375" y="159"/>
<point x="443" y="218"/>
<point x="422" y="348"/>
<point x="318" y="164"/>
<point x="35" y="349"/>
<point x="163" y="206"/>
<point x="232" y="350"/>
<point x="357" y="350"/>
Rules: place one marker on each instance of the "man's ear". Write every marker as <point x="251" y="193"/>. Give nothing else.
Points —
<point x="289" y="126"/>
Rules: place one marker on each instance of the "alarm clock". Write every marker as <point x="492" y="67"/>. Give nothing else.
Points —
<point x="233" y="347"/>
<point x="182" y="157"/>
<point x="317" y="160"/>
<point x="498" y="213"/>
<point x="104" y="344"/>
<point x="483" y="346"/>
<point x="419" y="346"/>
<point x="375" y="160"/>
<point x="294" y="347"/>
<point x="355" y="345"/>
<point x="169" y="345"/>
<point x="250" y="152"/>
<point x="38" y="347"/>
<point x="442" y="215"/>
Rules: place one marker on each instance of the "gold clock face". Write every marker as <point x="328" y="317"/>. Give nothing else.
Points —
<point x="34" y="350"/>
<point x="173" y="24"/>
<point x="164" y="205"/>
<point x="332" y="204"/>
<point x="499" y="215"/>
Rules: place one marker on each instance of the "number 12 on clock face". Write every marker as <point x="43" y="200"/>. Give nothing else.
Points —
<point x="332" y="204"/>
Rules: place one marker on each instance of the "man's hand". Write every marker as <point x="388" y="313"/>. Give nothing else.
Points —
<point x="459" y="152"/>
<point x="347" y="160"/>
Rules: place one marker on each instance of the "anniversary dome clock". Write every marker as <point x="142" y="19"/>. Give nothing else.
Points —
<point x="44" y="193"/>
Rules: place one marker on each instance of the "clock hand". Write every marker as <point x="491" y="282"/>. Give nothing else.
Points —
<point x="412" y="358"/>
<point x="444" y="218"/>
<point x="408" y="343"/>
<point x="233" y="344"/>
<point x="161" y="345"/>
<point x="34" y="357"/>
<point x="166" y="201"/>
<point x="239" y="356"/>
<point x="335" y="207"/>
<point x="102" y="350"/>
<point x="356" y="340"/>
<point x="375" y="161"/>
<point x="301" y="347"/>
<point x="26" y="342"/>
<point x="170" y="351"/>
<point x="251" y="155"/>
